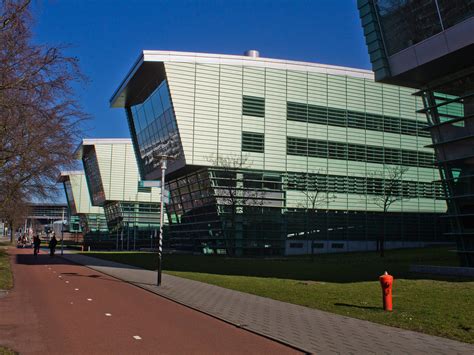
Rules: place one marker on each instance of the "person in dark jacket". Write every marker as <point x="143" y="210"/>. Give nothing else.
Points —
<point x="52" y="245"/>
<point x="36" y="244"/>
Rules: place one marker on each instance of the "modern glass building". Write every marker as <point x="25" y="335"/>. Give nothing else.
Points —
<point x="278" y="157"/>
<point x="47" y="211"/>
<point x="429" y="45"/>
<point x="42" y="215"/>
<point x="132" y="212"/>
<point x="89" y="219"/>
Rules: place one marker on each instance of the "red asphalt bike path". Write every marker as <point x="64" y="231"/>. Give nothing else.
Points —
<point x="57" y="307"/>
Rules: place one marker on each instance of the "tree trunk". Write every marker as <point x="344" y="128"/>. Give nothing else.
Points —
<point x="311" y="227"/>
<point x="12" y="229"/>
<point x="382" y="239"/>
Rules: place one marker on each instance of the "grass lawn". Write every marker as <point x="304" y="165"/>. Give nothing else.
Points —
<point x="6" y="280"/>
<point x="346" y="284"/>
<point x="6" y="351"/>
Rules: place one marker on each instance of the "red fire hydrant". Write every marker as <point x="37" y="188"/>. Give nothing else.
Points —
<point x="386" y="281"/>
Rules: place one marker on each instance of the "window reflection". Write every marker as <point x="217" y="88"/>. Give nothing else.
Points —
<point x="70" y="197"/>
<point x="156" y="130"/>
<point x="455" y="11"/>
<point x="406" y="22"/>
<point x="94" y="180"/>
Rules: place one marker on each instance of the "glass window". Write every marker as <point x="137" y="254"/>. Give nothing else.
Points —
<point x="253" y="142"/>
<point x="357" y="152"/>
<point x="253" y="106"/>
<point x="149" y="114"/>
<point x="165" y="96"/>
<point x="407" y="22"/>
<point x="346" y="118"/>
<point x="155" y="128"/>
<point x="157" y="105"/>
<point x="94" y="180"/>
<point x="455" y="11"/>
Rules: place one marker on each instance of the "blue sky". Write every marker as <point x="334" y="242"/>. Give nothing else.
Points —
<point x="107" y="37"/>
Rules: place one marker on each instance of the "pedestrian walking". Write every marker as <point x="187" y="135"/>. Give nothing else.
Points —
<point x="36" y="244"/>
<point x="52" y="245"/>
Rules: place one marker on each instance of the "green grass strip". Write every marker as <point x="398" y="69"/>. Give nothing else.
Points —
<point x="6" y="279"/>
<point x="6" y="351"/>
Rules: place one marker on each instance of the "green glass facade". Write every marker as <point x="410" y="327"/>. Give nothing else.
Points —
<point x="429" y="45"/>
<point x="131" y="212"/>
<point x="85" y="218"/>
<point x="280" y="157"/>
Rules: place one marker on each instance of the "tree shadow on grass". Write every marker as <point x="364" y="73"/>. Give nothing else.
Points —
<point x="335" y="268"/>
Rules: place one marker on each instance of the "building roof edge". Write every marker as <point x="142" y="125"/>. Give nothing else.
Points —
<point x="150" y="56"/>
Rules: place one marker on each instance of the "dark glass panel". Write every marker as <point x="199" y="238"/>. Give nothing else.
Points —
<point x="253" y="106"/>
<point x="407" y="22"/>
<point x="455" y="11"/>
<point x="94" y="180"/>
<point x="357" y="152"/>
<point x="347" y="118"/>
<point x="156" y="129"/>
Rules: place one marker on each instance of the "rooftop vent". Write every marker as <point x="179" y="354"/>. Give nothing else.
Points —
<point x="252" y="53"/>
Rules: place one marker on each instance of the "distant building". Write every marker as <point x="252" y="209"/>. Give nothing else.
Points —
<point x="47" y="211"/>
<point x="92" y="220"/>
<point x="42" y="215"/>
<point x="429" y="45"/>
<point x="278" y="157"/>
<point x="132" y="212"/>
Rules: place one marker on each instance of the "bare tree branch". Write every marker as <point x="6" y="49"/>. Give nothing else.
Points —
<point x="11" y="11"/>
<point x="237" y="193"/>
<point x="391" y="192"/>
<point x="40" y="120"/>
<point x="391" y="188"/>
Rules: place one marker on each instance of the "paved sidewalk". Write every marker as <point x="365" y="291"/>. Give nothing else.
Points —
<point x="307" y="329"/>
<point x="59" y="307"/>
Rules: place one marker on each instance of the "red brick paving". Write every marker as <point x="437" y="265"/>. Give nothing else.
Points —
<point x="45" y="315"/>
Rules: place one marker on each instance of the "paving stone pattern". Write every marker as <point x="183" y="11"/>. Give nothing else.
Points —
<point x="310" y="330"/>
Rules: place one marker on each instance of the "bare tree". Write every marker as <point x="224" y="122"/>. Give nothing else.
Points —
<point x="390" y="193"/>
<point x="11" y="10"/>
<point x="39" y="117"/>
<point x="316" y="197"/>
<point x="234" y="196"/>
<point x="14" y="214"/>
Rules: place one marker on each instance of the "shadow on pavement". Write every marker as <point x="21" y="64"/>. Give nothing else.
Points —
<point x="45" y="259"/>
<point x="41" y="259"/>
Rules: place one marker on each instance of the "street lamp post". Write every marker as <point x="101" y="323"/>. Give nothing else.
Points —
<point x="128" y="236"/>
<point x="151" y="183"/>
<point x="62" y="233"/>
<point x="164" y="165"/>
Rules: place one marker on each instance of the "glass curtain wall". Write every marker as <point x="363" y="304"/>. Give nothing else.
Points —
<point x="320" y="148"/>
<point x="227" y="211"/>
<point x="244" y="212"/>
<point x="407" y="22"/>
<point x="94" y="180"/>
<point x="134" y="222"/>
<point x="155" y="129"/>
<point x="450" y="111"/>
<point x="93" y="223"/>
